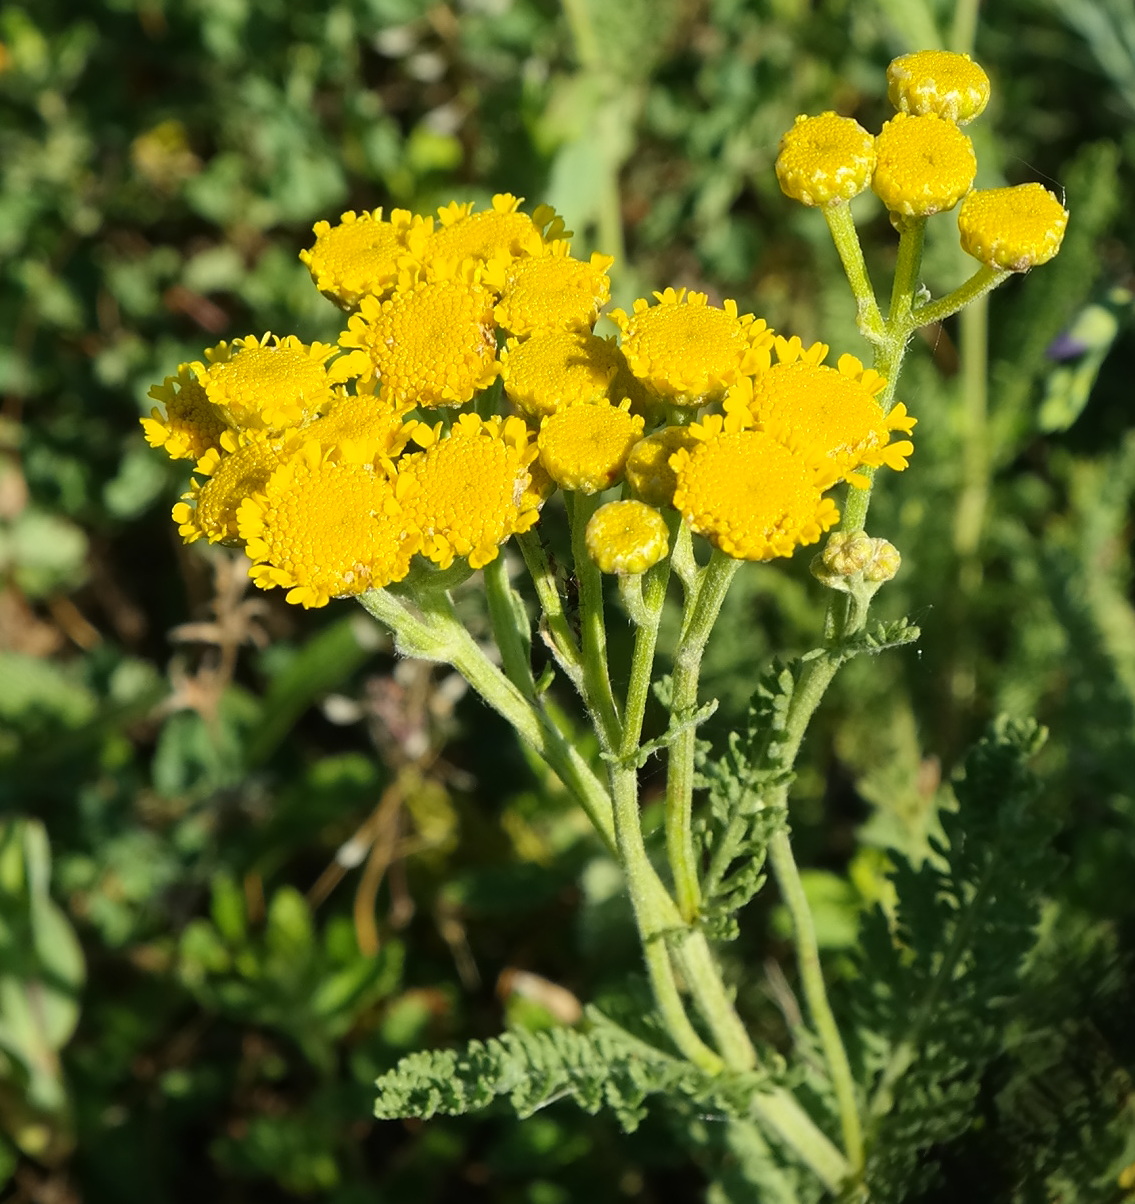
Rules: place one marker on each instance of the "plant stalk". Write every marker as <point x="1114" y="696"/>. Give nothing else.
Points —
<point x="703" y="604"/>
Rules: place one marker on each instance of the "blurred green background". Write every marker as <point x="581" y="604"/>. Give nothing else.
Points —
<point x="247" y="860"/>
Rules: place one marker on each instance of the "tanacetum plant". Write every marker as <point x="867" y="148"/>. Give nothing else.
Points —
<point x="467" y="407"/>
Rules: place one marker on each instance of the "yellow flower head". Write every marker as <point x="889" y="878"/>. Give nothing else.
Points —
<point x="550" y="292"/>
<point x="938" y="81"/>
<point x="688" y="351"/>
<point x="555" y="369"/>
<point x="361" y="420"/>
<point x="270" y="384"/>
<point x="829" y="416"/>
<point x="502" y="233"/>
<point x="585" y="447"/>
<point x="238" y="467"/>
<point x="472" y="488"/>
<point x="324" y="527"/>
<point x="825" y="160"/>
<point x="1012" y="228"/>
<point x="648" y="470"/>
<point x="626" y="537"/>
<point x="361" y="255"/>
<point x="432" y="344"/>
<point x="749" y="495"/>
<point x="925" y="165"/>
<point x="191" y="424"/>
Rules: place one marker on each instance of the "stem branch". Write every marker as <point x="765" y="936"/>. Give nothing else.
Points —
<point x="703" y="604"/>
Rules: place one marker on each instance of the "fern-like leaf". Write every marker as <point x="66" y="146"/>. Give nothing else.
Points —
<point x="936" y="974"/>
<point x="531" y="1070"/>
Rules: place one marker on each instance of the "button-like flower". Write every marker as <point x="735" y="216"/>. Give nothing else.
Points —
<point x="324" y="526"/>
<point x="270" y="383"/>
<point x="363" y="420"/>
<point x="585" y="447"/>
<point x="626" y="537"/>
<point x="648" y="470"/>
<point x="238" y="467"/>
<point x="500" y="233"/>
<point x="825" y="160"/>
<point x="938" y="81"/>
<point x="430" y="344"/>
<point x="549" y="292"/>
<point x="749" y="495"/>
<point x="925" y="165"/>
<point x="191" y="424"/>
<point x="472" y="488"/>
<point x="555" y="369"/>
<point x="688" y="351"/>
<point x="361" y="256"/>
<point x="1012" y="228"/>
<point x="830" y="416"/>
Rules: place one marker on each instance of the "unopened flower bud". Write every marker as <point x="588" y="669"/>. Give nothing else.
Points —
<point x="848" y="552"/>
<point x="884" y="563"/>
<point x="938" y="81"/>
<point x="825" y="160"/>
<point x="1012" y="228"/>
<point x="854" y="555"/>
<point x="626" y="537"/>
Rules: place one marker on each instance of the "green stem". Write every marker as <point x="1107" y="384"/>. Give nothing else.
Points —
<point x="559" y="636"/>
<point x="689" y="947"/>
<point x="970" y="513"/>
<point x="846" y="239"/>
<point x="815" y="992"/>
<point x="779" y="1111"/>
<point x="597" y="691"/>
<point x="651" y="594"/>
<point x="703" y="604"/>
<point x="438" y="635"/>
<point x="889" y="356"/>
<point x="963" y="28"/>
<point x="843" y="620"/>
<point x="651" y="922"/>
<point x="984" y="280"/>
<point x="514" y="642"/>
<point x="753" y="1162"/>
<point x="912" y="233"/>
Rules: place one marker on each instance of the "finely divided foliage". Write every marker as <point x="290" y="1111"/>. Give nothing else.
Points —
<point x="938" y="971"/>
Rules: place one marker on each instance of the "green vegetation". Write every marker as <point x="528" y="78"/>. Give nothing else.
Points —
<point x="252" y="862"/>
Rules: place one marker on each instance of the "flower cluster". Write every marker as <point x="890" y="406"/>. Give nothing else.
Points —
<point x="922" y="163"/>
<point x="468" y="385"/>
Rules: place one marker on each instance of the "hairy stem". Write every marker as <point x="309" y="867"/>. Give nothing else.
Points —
<point x="436" y="634"/>
<point x="983" y="281"/>
<point x="846" y="239"/>
<point x="560" y="637"/>
<point x="815" y="992"/>
<point x="703" y="604"/>
<point x="596" y="677"/>
<point x="651" y="922"/>
<point x="513" y="640"/>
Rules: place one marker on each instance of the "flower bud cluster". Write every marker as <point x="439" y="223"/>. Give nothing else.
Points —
<point x="851" y="559"/>
<point x="921" y="163"/>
